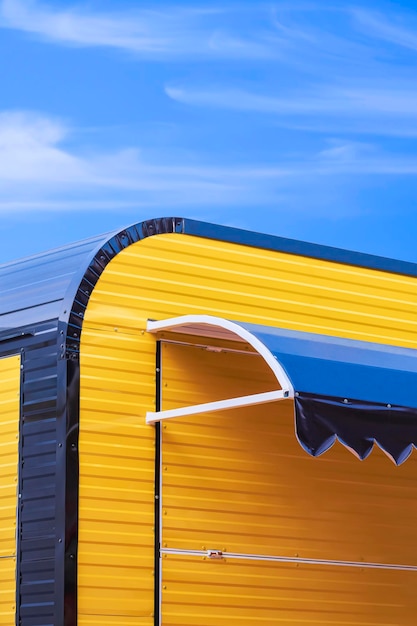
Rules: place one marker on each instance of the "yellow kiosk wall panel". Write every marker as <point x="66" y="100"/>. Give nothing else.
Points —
<point x="168" y="275"/>
<point x="239" y="483"/>
<point x="9" y="457"/>
<point x="245" y="592"/>
<point x="115" y="560"/>
<point x="239" y="479"/>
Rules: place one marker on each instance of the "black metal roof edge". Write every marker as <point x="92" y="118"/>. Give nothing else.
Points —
<point x="81" y="287"/>
<point x="301" y="248"/>
<point x="79" y="291"/>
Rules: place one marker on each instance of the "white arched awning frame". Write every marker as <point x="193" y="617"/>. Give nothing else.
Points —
<point x="221" y="329"/>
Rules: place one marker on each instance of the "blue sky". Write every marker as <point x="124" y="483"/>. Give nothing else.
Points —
<point x="293" y="118"/>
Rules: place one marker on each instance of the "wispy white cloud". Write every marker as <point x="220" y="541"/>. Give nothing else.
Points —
<point x="79" y="27"/>
<point x="164" y="32"/>
<point x="38" y="170"/>
<point x="351" y="158"/>
<point x="332" y="75"/>
<point x="395" y="28"/>
<point x="349" y="100"/>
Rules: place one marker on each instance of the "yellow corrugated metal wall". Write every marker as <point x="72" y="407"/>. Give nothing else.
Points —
<point x="115" y="559"/>
<point x="169" y="275"/>
<point x="239" y="482"/>
<point x="9" y="456"/>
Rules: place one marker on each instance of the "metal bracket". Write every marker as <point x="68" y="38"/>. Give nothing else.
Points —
<point x="215" y="554"/>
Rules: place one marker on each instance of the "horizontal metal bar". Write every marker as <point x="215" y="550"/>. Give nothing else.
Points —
<point x="289" y="559"/>
<point x="208" y="347"/>
<point x="221" y="405"/>
<point x="14" y="335"/>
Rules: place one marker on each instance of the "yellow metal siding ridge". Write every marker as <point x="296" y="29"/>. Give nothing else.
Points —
<point x="197" y="592"/>
<point x="115" y="560"/>
<point x="234" y="479"/>
<point x="9" y="458"/>
<point x="182" y="274"/>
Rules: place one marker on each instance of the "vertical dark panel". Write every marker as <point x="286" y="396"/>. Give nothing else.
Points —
<point x="157" y="567"/>
<point x="37" y="524"/>
<point x="71" y="492"/>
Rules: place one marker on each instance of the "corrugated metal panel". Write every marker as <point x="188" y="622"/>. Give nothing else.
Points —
<point x="7" y="591"/>
<point x="38" y="528"/>
<point x="114" y="620"/>
<point x="116" y="542"/>
<point x="32" y="289"/>
<point x="32" y="295"/>
<point x="9" y="453"/>
<point x="235" y="593"/>
<point x="239" y="482"/>
<point x="173" y="274"/>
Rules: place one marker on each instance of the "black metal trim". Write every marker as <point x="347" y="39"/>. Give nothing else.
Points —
<point x="90" y="276"/>
<point x="71" y="494"/>
<point x="158" y="491"/>
<point x="301" y="248"/>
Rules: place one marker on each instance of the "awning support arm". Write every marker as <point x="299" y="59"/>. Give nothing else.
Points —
<point x="220" y="405"/>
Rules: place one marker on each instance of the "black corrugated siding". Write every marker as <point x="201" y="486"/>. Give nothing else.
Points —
<point x="37" y="528"/>
<point x="32" y="295"/>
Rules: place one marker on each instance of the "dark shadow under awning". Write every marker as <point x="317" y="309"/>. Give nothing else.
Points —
<point x="354" y="391"/>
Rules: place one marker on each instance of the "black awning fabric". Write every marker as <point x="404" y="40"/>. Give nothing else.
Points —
<point x="320" y="421"/>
